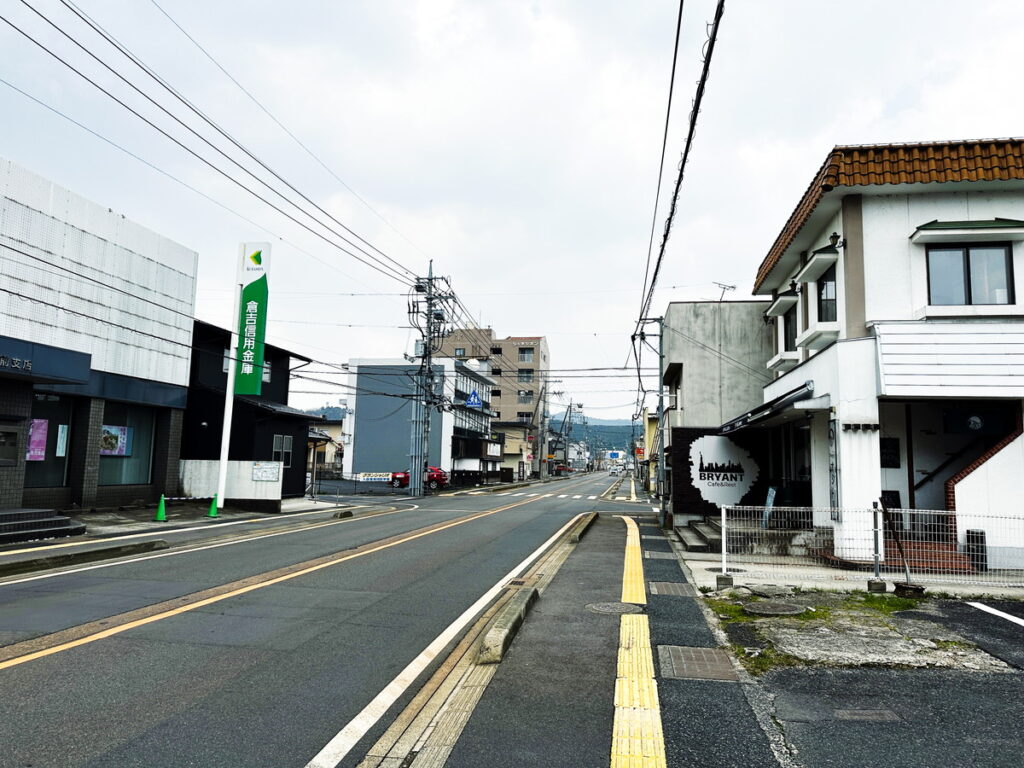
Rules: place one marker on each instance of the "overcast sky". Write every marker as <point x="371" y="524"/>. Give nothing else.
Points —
<point x="514" y="142"/>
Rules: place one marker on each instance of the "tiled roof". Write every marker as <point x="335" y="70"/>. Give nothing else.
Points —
<point x="927" y="162"/>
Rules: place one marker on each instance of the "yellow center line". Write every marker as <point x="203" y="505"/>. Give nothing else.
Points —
<point x="637" y="737"/>
<point x="241" y="591"/>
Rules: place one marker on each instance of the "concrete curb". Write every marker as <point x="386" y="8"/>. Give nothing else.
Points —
<point x="582" y="527"/>
<point x="500" y="634"/>
<point x="74" y="558"/>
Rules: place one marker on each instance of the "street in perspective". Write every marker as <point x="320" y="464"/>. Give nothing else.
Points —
<point x="485" y="385"/>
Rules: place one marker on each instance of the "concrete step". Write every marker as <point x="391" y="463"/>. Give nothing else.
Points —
<point x="712" y="537"/>
<point x="691" y="541"/>
<point x="35" y="524"/>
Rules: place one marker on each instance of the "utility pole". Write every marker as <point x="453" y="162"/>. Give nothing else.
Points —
<point x="659" y="439"/>
<point x="425" y="397"/>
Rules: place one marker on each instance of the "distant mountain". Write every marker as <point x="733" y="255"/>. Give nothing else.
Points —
<point x="603" y="422"/>
<point x="604" y="434"/>
<point x="329" y="412"/>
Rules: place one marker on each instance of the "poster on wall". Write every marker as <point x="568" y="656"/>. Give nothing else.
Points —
<point x="62" y="440"/>
<point x="37" y="431"/>
<point x="116" y="441"/>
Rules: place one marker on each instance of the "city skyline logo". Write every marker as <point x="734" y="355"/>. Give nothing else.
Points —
<point x="730" y="470"/>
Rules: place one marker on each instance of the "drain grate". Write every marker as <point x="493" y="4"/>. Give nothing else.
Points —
<point x="681" y="663"/>
<point x="616" y="608"/>
<point x="677" y="588"/>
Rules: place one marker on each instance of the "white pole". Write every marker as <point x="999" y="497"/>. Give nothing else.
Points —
<point x="725" y="570"/>
<point x="229" y="400"/>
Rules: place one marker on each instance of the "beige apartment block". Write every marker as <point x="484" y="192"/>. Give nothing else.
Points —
<point x="520" y="366"/>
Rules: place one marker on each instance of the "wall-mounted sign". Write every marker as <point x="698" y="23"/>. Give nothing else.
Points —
<point x="720" y="470"/>
<point x="37" y="431"/>
<point x="116" y="441"/>
<point x="266" y="471"/>
<point x="15" y="364"/>
<point x="375" y="477"/>
<point x="474" y="401"/>
<point x="252" y="321"/>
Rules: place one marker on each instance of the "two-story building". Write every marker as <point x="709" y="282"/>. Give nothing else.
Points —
<point x="379" y="417"/>
<point x="898" y="344"/>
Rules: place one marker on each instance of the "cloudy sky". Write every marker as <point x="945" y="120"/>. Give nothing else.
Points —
<point x="514" y="142"/>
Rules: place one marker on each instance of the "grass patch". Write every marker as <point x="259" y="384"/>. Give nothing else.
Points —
<point x="767" y="660"/>
<point x="884" y="604"/>
<point x="727" y="611"/>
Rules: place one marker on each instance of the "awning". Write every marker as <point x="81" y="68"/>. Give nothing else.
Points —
<point x="772" y="408"/>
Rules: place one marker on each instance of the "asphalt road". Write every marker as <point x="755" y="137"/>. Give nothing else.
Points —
<point x="269" y="676"/>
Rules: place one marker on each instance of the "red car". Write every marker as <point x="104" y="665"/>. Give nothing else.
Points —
<point x="436" y="478"/>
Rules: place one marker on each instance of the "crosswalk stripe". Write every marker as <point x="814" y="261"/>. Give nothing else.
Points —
<point x="531" y="494"/>
<point x="562" y="495"/>
<point x="591" y="498"/>
<point x="546" y="495"/>
<point x="577" y="497"/>
<point x="518" y="494"/>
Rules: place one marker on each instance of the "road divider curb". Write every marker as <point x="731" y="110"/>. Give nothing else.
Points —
<point x="16" y="567"/>
<point x="344" y="513"/>
<point x="505" y="625"/>
<point x="582" y="527"/>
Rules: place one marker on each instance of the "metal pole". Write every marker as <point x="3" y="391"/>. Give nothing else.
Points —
<point x="229" y="394"/>
<point x="725" y="567"/>
<point x="878" y="554"/>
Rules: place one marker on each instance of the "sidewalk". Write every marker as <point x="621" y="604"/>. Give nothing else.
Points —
<point x="552" y="701"/>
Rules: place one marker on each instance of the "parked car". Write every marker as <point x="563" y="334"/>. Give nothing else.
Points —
<point x="436" y="478"/>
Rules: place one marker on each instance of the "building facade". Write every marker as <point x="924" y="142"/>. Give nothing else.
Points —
<point x="898" y="316"/>
<point x="95" y="335"/>
<point x="379" y="420"/>
<point x="519" y="367"/>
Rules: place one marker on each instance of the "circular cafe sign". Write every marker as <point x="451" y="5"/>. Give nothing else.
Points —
<point x="720" y="470"/>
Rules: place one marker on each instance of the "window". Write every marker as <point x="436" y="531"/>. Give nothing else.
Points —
<point x="526" y="354"/>
<point x="49" y="429"/>
<point x="497" y="414"/>
<point x="495" y="371"/>
<point x="460" y="351"/>
<point x="526" y="375"/>
<point x="789" y="330"/>
<point x="126" y="444"/>
<point x="524" y="417"/>
<point x="283" y="449"/>
<point x="978" y="274"/>
<point x="525" y="396"/>
<point x="8" y="448"/>
<point x="495" y="394"/>
<point x="827" y="296"/>
<point x="496" y="350"/>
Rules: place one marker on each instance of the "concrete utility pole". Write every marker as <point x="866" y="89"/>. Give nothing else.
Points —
<point x="659" y="438"/>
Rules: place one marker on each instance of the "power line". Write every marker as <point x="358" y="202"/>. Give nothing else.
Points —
<point x="379" y="267"/>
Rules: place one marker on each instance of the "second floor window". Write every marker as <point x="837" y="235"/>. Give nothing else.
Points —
<point x="789" y="330"/>
<point x="495" y="371"/>
<point x="970" y="274"/>
<point x="495" y="394"/>
<point x="460" y="351"/>
<point x="526" y="374"/>
<point x="827" y="296"/>
<point x="526" y="354"/>
<point x="524" y="417"/>
<point x="525" y="396"/>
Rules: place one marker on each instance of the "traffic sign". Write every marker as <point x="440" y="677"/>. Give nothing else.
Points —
<point x="474" y="401"/>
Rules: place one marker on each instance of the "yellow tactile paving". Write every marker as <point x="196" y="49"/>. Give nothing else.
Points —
<point x="633" y="587"/>
<point x="637" y="738"/>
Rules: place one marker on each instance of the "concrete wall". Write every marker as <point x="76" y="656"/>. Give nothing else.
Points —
<point x="199" y="479"/>
<point x="72" y="252"/>
<point x="723" y="348"/>
<point x="988" y="499"/>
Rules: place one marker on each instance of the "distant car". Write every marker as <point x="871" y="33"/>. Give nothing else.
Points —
<point x="613" y="473"/>
<point x="436" y="478"/>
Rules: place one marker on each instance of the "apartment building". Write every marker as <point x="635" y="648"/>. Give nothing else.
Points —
<point x="519" y="367"/>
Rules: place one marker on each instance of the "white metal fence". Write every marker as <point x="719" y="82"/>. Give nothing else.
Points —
<point x="917" y="545"/>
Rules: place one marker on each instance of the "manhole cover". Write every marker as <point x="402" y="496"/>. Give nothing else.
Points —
<point x="718" y="569"/>
<point x="614" y="608"/>
<point x="773" y="608"/>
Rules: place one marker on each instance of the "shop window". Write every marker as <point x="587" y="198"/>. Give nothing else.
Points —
<point x="283" y="449"/>
<point x="980" y="274"/>
<point x="126" y="444"/>
<point x="8" y="448"/>
<point x="48" y="443"/>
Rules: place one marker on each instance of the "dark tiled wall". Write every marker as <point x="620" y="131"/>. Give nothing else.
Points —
<point x="84" y="454"/>
<point x="15" y="409"/>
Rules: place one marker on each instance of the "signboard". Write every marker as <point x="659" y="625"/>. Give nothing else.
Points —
<point x="720" y="470"/>
<point x="37" y="430"/>
<point x="614" y="454"/>
<point x="116" y="441"/>
<point x="640" y="452"/>
<point x="494" y="449"/>
<point x="266" y="471"/>
<point x="375" y="477"/>
<point x="474" y="401"/>
<point x="252" y="321"/>
<point x="833" y="469"/>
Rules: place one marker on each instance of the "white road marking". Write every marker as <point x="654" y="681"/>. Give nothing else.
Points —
<point x="546" y="495"/>
<point x="577" y="497"/>
<point x="518" y="494"/>
<point x="532" y="494"/>
<point x="562" y="495"/>
<point x="1000" y="614"/>
<point x="475" y="493"/>
<point x="506" y="493"/>
<point x="591" y="498"/>
<point x="655" y="510"/>
<point x="338" y="747"/>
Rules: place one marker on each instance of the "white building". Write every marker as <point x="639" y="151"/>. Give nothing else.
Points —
<point x="898" y="308"/>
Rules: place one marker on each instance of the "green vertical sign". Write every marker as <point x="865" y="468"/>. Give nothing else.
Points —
<point x="252" y="319"/>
